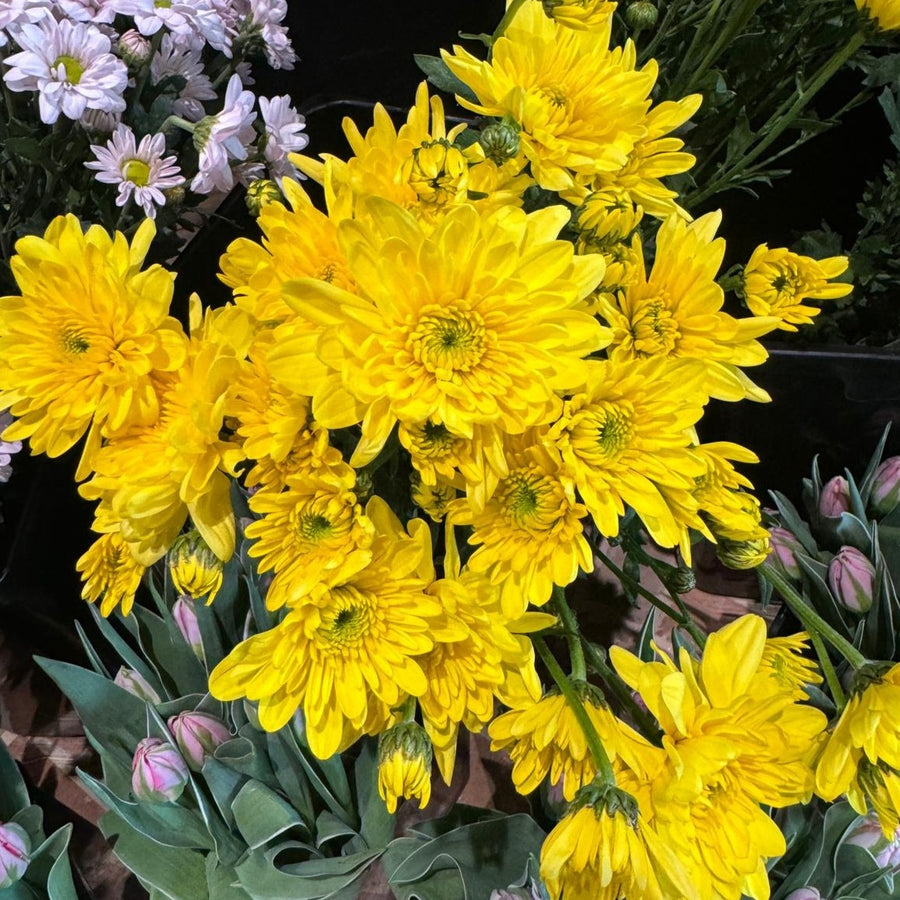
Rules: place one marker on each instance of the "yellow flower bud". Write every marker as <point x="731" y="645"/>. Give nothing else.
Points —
<point x="404" y="765"/>
<point x="196" y="571"/>
<point x="260" y="193"/>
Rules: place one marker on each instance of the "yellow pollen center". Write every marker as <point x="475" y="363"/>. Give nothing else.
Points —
<point x="73" y="67"/>
<point x="137" y="172"/>
<point x="347" y="621"/>
<point x="163" y="4"/>
<point x="448" y="340"/>
<point x="654" y="329"/>
<point x="327" y="273"/>
<point x="73" y="342"/>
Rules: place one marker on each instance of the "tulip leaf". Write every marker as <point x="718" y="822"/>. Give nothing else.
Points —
<point x="173" y="872"/>
<point x="827" y="606"/>
<point x="865" y="486"/>
<point x="855" y="868"/>
<point x="224" y="785"/>
<point x="853" y="531"/>
<point x="32" y="820"/>
<point x="14" y="796"/>
<point x="92" y="655"/>
<point x="329" y="827"/>
<point x="261" y="815"/>
<point x="223" y="882"/>
<point x="49" y="866"/>
<point x="377" y="824"/>
<point x="290" y="776"/>
<point x="793" y="522"/>
<point x="128" y="655"/>
<point x="174" y="660"/>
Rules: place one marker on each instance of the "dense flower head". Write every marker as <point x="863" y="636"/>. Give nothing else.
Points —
<point x="777" y="281"/>
<point x="195" y="570"/>
<point x="474" y="322"/>
<point x="404" y="765"/>
<point x="584" y="15"/>
<point x="110" y="574"/>
<point x="80" y="346"/>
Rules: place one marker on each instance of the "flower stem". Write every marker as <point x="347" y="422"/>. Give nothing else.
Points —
<point x="834" y="684"/>
<point x="595" y="745"/>
<point x="810" y="619"/>
<point x="573" y="635"/>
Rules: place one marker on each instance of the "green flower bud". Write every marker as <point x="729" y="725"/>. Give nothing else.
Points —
<point x="500" y="141"/>
<point x="260" y="193"/>
<point x="641" y="15"/>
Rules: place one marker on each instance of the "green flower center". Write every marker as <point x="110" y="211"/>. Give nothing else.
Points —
<point x="448" y="340"/>
<point x="654" y="329"/>
<point x="313" y="527"/>
<point x="348" y="620"/>
<point x="73" y="67"/>
<point x="137" y="172"/>
<point x="74" y="343"/>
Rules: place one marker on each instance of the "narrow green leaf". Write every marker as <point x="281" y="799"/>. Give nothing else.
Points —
<point x="14" y="796"/>
<point x="377" y="824"/>
<point x="92" y="655"/>
<point x="261" y="815"/>
<point x="131" y="657"/>
<point x="439" y="74"/>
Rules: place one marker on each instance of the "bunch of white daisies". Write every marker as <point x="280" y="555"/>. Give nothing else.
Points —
<point x="143" y="100"/>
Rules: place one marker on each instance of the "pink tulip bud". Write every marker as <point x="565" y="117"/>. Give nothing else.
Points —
<point x="136" y="684"/>
<point x="851" y="577"/>
<point x="783" y="551"/>
<point x="886" y="487"/>
<point x="197" y="735"/>
<point x="15" y="850"/>
<point x="186" y="619"/>
<point x="804" y="893"/>
<point x="835" y="497"/>
<point x="158" y="773"/>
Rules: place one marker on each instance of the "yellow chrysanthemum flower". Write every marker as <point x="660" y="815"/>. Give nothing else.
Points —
<point x="787" y="667"/>
<point x="582" y="107"/>
<point x="529" y="535"/>
<point x="418" y="167"/>
<point x="862" y="755"/>
<point x="110" y="574"/>
<point x="348" y="658"/>
<point x="626" y="438"/>
<point x="886" y="13"/>
<point x="433" y="499"/>
<point x="195" y="570"/>
<point x="313" y="534"/>
<point x="471" y="323"/>
<point x="152" y="478"/>
<point x="582" y="15"/>
<point x="545" y="739"/>
<point x="721" y="493"/>
<point x="603" y="849"/>
<point x="777" y="281"/>
<point x="677" y="311"/>
<point x="298" y="242"/>
<point x="404" y="765"/>
<point x="83" y="340"/>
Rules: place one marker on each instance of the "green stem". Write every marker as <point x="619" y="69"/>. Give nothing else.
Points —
<point x="809" y="618"/>
<point x="783" y="117"/>
<point x="573" y="635"/>
<point x="508" y="16"/>
<point x="179" y="122"/>
<point x="595" y="745"/>
<point x="828" y="668"/>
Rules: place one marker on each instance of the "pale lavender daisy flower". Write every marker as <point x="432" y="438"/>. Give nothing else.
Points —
<point x="70" y="65"/>
<point x="283" y="134"/>
<point x="267" y="16"/>
<point x="14" y="13"/>
<point x="97" y="11"/>
<point x="176" y="59"/>
<point x="182" y="18"/>
<point x="223" y="137"/>
<point x="140" y="170"/>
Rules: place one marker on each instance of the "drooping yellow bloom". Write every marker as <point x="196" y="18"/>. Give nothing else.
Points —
<point x="529" y="535"/>
<point x="545" y="739"/>
<point x="152" y="478"/>
<point x="582" y="15"/>
<point x="404" y="765"/>
<point x="348" y="658"/>
<point x="886" y="13"/>
<point x="582" y="107"/>
<point x="626" y="439"/>
<point x="721" y="493"/>
<point x="195" y="570"/>
<point x="313" y="534"/>
<point x="862" y="755"/>
<point x="603" y="849"/>
<point x="110" y="574"/>
<point x="433" y="499"/>
<point x="417" y="166"/>
<point x="777" y="281"/>
<point x="471" y="323"/>
<point x="676" y="311"/>
<point x="83" y="340"/>
<point x="298" y="242"/>
<point x="788" y="669"/>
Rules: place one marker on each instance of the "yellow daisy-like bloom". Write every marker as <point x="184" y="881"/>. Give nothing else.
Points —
<point x="545" y="739"/>
<point x="787" y="667"/>
<point x="313" y="534"/>
<point x="604" y="218"/>
<point x="627" y="436"/>
<point x="886" y="13"/>
<point x="862" y="755"/>
<point x="404" y="765"/>
<point x="153" y="477"/>
<point x="720" y="492"/>
<point x="603" y="849"/>
<point x="81" y="342"/>
<point x="196" y="571"/>
<point x="433" y="499"/>
<point x="472" y="323"/>
<point x="417" y="167"/>
<point x="298" y="242"/>
<point x="582" y="15"/>
<point x="348" y="658"/>
<point x="777" y="281"/>
<point x="110" y="574"/>
<point x="529" y="534"/>
<point x="582" y="107"/>
<point x="676" y="311"/>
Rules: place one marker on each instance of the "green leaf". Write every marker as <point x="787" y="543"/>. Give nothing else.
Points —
<point x="852" y="530"/>
<point x="439" y="74"/>
<point x="223" y="882"/>
<point x="224" y="784"/>
<point x="14" y="796"/>
<point x="50" y="866"/>
<point x="115" y="719"/>
<point x="129" y="656"/>
<point x="175" y="662"/>
<point x="261" y="815"/>
<point x="175" y="873"/>
<point x="32" y="820"/>
<point x="793" y="522"/>
<point x="290" y="775"/>
<point x="319" y="785"/>
<point x="164" y="823"/>
<point x="93" y="656"/>
<point x="377" y="826"/>
<point x="644" y="650"/>
<point x="329" y="827"/>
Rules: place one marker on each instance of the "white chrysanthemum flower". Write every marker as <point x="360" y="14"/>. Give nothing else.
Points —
<point x="174" y="59"/>
<point x="70" y="64"/>
<point x="97" y="121"/>
<point x="223" y="137"/>
<point x="267" y="16"/>
<point x="182" y="18"/>
<point x="8" y="449"/>
<point x="96" y="11"/>
<point x="140" y="170"/>
<point x="283" y="134"/>
<point x="14" y="13"/>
